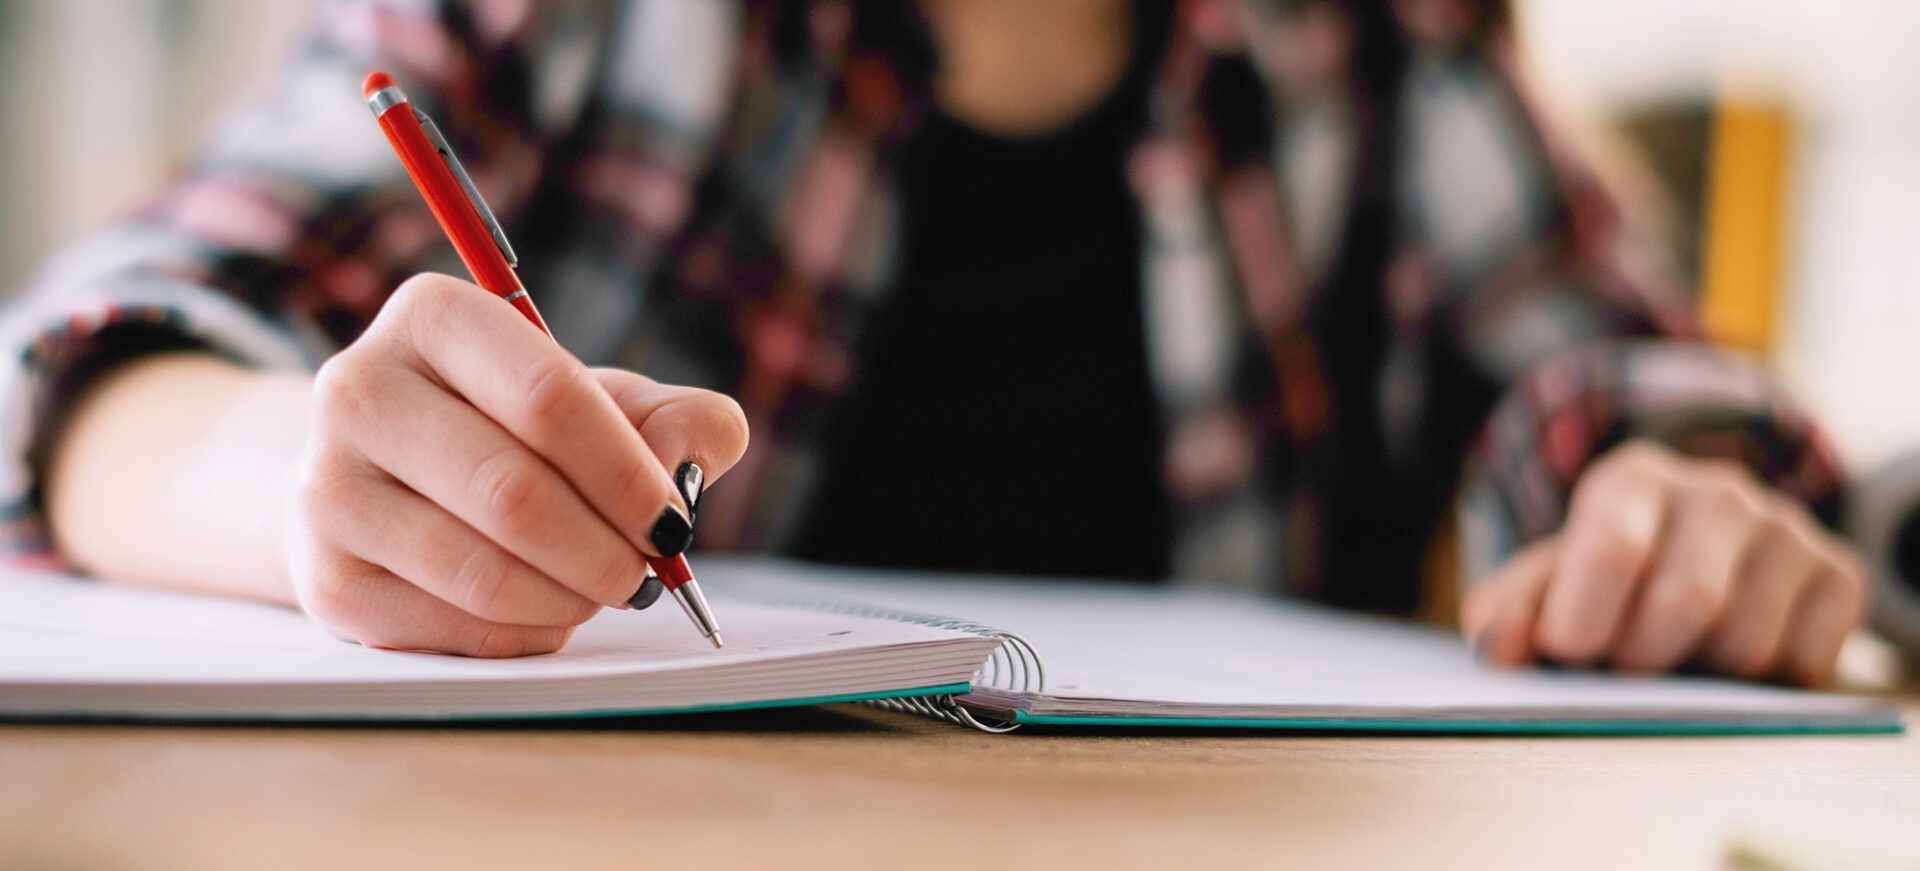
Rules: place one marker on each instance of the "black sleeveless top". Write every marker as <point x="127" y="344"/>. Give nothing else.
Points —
<point x="1003" y="418"/>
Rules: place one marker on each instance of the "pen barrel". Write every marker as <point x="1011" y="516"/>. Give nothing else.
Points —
<point x="450" y="206"/>
<point x="525" y="305"/>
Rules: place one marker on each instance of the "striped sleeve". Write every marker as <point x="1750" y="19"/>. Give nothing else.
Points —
<point x="1576" y="406"/>
<point x="281" y="242"/>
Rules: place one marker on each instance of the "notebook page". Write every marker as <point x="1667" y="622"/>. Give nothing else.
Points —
<point x="1161" y="649"/>
<point x="59" y="629"/>
<point x="70" y="646"/>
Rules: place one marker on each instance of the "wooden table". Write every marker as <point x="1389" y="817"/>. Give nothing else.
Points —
<point x="849" y="787"/>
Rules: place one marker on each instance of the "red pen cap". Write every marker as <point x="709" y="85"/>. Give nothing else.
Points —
<point x="374" y="82"/>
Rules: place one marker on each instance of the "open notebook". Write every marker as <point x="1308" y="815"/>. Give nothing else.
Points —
<point x="1115" y="655"/>
<point x="71" y="648"/>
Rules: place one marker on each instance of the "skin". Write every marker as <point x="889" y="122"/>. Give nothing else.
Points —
<point x="1021" y="68"/>
<point x="1666" y="560"/>
<point x="454" y="481"/>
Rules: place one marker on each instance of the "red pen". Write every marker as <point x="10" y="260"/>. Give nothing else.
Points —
<point x="456" y="203"/>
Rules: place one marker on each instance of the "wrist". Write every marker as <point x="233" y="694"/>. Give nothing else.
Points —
<point x="173" y="471"/>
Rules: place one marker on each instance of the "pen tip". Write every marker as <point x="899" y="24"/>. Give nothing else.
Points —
<point x="715" y="638"/>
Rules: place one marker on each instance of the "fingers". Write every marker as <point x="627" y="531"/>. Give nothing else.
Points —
<point x="547" y="400"/>
<point x="699" y="434"/>
<point x="373" y="518"/>
<point x="1665" y="560"/>
<point x="1499" y="613"/>
<point x="1614" y="523"/>
<point x="1828" y="609"/>
<point x="1715" y="513"/>
<point x="1753" y="628"/>
<point x="370" y="605"/>
<point x="472" y="488"/>
<point x="461" y="461"/>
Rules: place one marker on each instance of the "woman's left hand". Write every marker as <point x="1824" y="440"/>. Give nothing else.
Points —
<point x="1667" y="560"/>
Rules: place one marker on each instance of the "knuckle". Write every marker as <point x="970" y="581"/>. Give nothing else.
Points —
<point x="1780" y="521"/>
<point x="1612" y="553"/>
<point x="551" y="389"/>
<point x="725" y="423"/>
<point x="1594" y="494"/>
<point x="1604" y="488"/>
<point x="345" y="390"/>
<point x="482" y="585"/>
<point x="1850" y="588"/>
<point x="1721" y="470"/>
<point x="325" y="491"/>
<point x="422" y="302"/>
<point x="509" y="489"/>
<point x="714" y="417"/>
<point x="334" y="598"/>
<point x="1636" y="459"/>
<point x="642" y="487"/>
<point x="488" y="641"/>
<point x="501" y="641"/>
<point x="582" y="612"/>
<point x="1689" y="599"/>
<point x="422" y="295"/>
<point x="1846" y="569"/>
<point x="1726" y="488"/>
<point x="495" y="641"/>
<point x="546" y="641"/>
<point x="615" y="581"/>
<point x="1837" y="570"/>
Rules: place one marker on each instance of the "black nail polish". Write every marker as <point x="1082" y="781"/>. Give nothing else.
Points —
<point x="692" y="481"/>
<point x="649" y="592"/>
<point x="671" y="533"/>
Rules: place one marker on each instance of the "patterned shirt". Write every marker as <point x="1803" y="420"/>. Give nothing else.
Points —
<point x="1372" y="280"/>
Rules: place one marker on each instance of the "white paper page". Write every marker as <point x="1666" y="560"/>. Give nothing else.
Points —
<point x="55" y="629"/>
<point x="1167" y="645"/>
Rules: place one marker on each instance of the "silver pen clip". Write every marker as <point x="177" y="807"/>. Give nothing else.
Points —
<point x="466" y="184"/>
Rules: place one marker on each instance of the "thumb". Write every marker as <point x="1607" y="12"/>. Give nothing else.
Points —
<point x="699" y="434"/>
<point x="1498" y="613"/>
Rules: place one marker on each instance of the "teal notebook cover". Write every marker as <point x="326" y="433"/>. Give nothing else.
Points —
<point x="1887" y="722"/>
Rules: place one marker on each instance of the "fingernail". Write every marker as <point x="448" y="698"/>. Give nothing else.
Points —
<point x="692" y="481"/>
<point x="650" y="590"/>
<point x="671" y="533"/>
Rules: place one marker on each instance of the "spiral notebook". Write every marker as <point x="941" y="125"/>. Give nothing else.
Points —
<point x="985" y="652"/>
<point x="75" y="649"/>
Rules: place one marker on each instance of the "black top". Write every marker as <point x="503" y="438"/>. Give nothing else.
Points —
<point x="1003" y="419"/>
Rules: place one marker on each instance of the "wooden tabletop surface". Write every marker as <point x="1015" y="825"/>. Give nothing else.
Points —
<point x="850" y="787"/>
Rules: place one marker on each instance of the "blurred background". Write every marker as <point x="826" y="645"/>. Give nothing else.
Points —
<point x="1772" y="146"/>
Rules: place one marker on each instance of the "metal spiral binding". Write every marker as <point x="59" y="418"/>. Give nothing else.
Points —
<point x="1014" y="665"/>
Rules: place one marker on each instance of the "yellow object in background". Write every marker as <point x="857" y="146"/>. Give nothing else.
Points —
<point x="1744" y="252"/>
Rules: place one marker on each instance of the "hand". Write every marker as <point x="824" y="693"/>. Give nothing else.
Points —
<point x="470" y="487"/>
<point x="1666" y="560"/>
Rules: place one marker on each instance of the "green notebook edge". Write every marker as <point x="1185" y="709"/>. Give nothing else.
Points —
<point x="1892" y="724"/>
<point x="947" y="689"/>
<point x="598" y="713"/>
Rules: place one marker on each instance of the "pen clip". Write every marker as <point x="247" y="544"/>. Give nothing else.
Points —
<point x="466" y="183"/>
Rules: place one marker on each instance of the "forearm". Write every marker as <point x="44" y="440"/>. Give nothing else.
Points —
<point x="176" y="471"/>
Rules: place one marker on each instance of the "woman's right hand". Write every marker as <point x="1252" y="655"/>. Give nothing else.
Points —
<point x="470" y="487"/>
